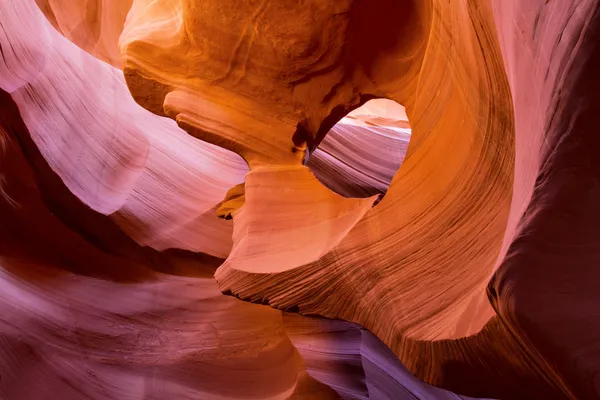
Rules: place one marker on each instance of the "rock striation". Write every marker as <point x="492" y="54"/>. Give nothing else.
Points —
<point x="409" y="189"/>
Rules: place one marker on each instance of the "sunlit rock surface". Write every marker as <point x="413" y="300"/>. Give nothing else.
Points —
<point x="157" y="154"/>
<point x="93" y="25"/>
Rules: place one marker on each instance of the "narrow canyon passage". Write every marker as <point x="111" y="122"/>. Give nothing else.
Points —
<point x="359" y="199"/>
<point x="361" y="154"/>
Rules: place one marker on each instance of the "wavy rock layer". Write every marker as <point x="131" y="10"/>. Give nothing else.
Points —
<point x="92" y="186"/>
<point x="116" y="157"/>
<point x="88" y="313"/>
<point x="415" y="270"/>
<point x="85" y="315"/>
<point x="476" y="270"/>
<point x="335" y="352"/>
<point x="543" y="289"/>
<point x="361" y="153"/>
<point x="93" y="25"/>
<point x="478" y="158"/>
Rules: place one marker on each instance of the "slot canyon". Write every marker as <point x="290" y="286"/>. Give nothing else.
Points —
<point x="299" y="199"/>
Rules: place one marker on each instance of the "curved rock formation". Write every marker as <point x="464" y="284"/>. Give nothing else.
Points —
<point x="200" y="96"/>
<point x="478" y="156"/>
<point x="475" y="271"/>
<point x="460" y="106"/>
<point x="93" y="25"/>
<point x="88" y="313"/>
<point x="128" y="162"/>
<point x="361" y="153"/>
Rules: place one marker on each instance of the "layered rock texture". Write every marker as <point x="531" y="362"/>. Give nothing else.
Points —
<point x="356" y="199"/>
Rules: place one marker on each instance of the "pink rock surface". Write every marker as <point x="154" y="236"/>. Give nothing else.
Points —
<point x="240" y="133"/>
<point x="544" y="287"/>
<point x="156" y="181"/>
<point x="88" y="313"/>
<point x="361" y="154"/>
<point x="93" y="25"/>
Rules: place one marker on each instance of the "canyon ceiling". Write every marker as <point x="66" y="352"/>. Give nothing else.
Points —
<point x="299" y="199"/>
